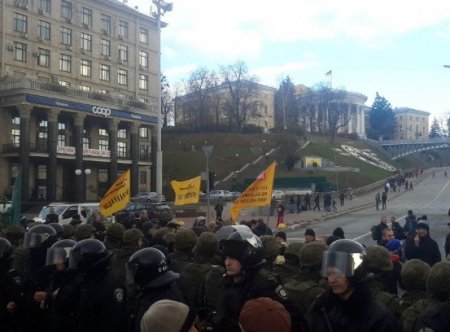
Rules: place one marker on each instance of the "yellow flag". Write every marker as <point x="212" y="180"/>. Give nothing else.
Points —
<point x="186" y="192"/>
<point x="117" y="197"/>
<point x="259" y="193"/>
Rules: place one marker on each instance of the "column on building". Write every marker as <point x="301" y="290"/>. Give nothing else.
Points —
<point x="113" y="128"/>
<point x="363" y="122"/>
<point x="134" y="140"/>
<point x="350" y="119"/>
<point x="52" y="143"/>
<point x="80" y="181"/>
<point x="358" y="120"/>
<point x="24" y="154"/>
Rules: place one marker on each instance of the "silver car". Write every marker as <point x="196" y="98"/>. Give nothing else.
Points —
<point x="147" y="197"/>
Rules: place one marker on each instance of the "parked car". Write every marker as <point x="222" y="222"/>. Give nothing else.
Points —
<point x="223" y="194"/>
<point x="148" y="197"/>
<point x="235" y="194"/>
<point x="66" y="211"/>
<point x="159" y="211"/>
<point x="278" y="194"/>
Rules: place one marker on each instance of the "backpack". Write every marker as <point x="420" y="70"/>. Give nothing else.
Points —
<point x="374" y="232"/>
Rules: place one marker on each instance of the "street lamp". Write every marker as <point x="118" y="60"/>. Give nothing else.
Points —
<point x="80" y="191"/>
<point x="207" y="150"/>
<point x="162" y="7"/>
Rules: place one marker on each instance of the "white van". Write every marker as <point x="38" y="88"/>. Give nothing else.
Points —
<point x="66" y="211"/>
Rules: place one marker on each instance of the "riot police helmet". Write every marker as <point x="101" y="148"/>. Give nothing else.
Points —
<point x="59" y="253"/>
<point x="37" y="235"/>
<point x="87" y="255"/>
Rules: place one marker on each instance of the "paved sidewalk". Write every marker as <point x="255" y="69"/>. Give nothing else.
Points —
<point x="294" y="220"/>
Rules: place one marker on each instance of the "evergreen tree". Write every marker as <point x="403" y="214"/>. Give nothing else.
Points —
<point x="286" y="111"/>
<point x="435" y="130"/>
<point x="381" y="119"/>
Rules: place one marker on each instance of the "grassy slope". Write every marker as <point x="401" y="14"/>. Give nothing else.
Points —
<point x="183" y="157"/>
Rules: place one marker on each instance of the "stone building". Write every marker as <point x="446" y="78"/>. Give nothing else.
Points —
<point x="79" y="91"/>
<point x="411" y="124"/>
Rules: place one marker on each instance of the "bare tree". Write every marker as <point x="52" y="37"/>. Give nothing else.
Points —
<point x="166" y="101"/>
<point x="242" y="89"/>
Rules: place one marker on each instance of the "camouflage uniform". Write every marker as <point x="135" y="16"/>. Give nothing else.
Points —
<point x="308" y="285"/>
<point x="414" y="275"/>
<point x="291" y="266"/>
<point x="119" y="257"/>
<point x="15" y="234"/>
<point x="184" y="243"/>
<point x="83" y="232"/>
<point x="114" y="235"/>
<point x="271" y="249"/>
<point x="379" y="263"/>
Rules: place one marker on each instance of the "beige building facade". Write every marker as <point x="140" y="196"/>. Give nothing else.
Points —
<point x="79" y="97"/>
<point x="411" y="124"/>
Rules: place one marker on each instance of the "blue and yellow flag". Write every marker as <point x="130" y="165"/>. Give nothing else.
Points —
<point x="117" y="197"/>
<point x="186" y="192"/>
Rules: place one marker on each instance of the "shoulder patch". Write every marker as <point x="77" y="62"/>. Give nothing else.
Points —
<point x="119" y="295"/>
<point x="281" y="292"/>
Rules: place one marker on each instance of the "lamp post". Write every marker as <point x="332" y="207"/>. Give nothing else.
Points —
<point x="162" y="7"/>
<point x="81" y="192"/>
<point x="207" y="150"/>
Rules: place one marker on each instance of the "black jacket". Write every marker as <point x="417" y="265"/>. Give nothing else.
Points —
<point x="428" y="250"/>
<point x="360" y="313"/>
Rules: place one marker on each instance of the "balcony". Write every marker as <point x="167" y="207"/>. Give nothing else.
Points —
<point x="55" y="88"/>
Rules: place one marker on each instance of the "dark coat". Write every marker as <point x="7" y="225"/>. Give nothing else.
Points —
<point x="360" y="313"/>
<point x="428" y="250"/>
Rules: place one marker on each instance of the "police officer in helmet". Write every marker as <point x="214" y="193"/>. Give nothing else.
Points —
<point x="348" y="305"/>
<point x="243" y="259"/>
<point x="101" y="300"/>
<point x="148" y="270"/>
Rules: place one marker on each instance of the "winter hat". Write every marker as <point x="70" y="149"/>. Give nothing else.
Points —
<point x="69" y="231"/>
<point x="414" y="274"/>
<point x="185" y="241"/>
<point x="271" y="248"/>
<point x="131" y="236"/>
<point x="378" y="259"/>
<point x="264" y="314"/>
<point x="310" y="231"/>
<point x="423" y="225"/>
<point x="394" y="246"/>
<point x="339" y="232"/>
<point x="84" y="232"/>
<point x="207" y="245"/>
<point x="164" y="316"/>
<point x="115" y="231"/>
<point x="282" y="235"/>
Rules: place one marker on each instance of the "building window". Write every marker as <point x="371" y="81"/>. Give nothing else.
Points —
<point x="121" y="149"/>
<point x="44" y="30"/>
<point x="86" y="41"/>
<point x="86" y="16"/>
<point x="105" y="47"/>
<point x="122" y="133"/>
<point x="64" y="83"/>
<point x="142" y="177"/>
<point x="61" y="134"/>
<point x="42" y="135"/>
<point x="44" y="57"/>
<point x="143" y="100"/>
<point x="122" y="77"/>
<point x="123" y="53"/>
<point x="66" y="9"/>
<point x="65" y="63"/>
<point x="66" y="36"/>
<point x="85" y="67"/>
<point x="102" y="132"/>
<point x="103" y="144"/>
<point x="20" y="22"/>
<point x="143" y="35"/>
<point x="105" y="72"/>
<point x="123" y="29"/>
<point x="15" y="120"/>
<point x="143" y="132"/>
<point x="143" y="59"/>
<point x="85" y="88"/>
<point x="20" y="51"/>
<point x="105" y="24"/>
<point x="86" y="143"/>
<point x="143" y="82"/>
<point x="15" y="137"/>
<point x="45" y="5"/>
<point x="143" y="152"/>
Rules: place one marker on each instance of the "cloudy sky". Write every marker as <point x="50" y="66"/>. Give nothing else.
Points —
<point x="394" y="47"/>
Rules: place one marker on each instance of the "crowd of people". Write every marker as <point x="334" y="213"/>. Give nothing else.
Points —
<point x="136" y="276"/>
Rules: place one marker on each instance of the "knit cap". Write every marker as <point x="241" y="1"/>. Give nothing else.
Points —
<point x="164" y="316"/>
<point x="264" y="314"/>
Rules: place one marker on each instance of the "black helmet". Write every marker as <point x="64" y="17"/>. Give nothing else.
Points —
<point x="58" y="229"/>
<point x="148" y="268"/>
<point x="87" y="255"/>
<point x="37" y="235"/>
<point x="244" y="246"/>
<point x="59" y="252"/>
<point x="346" y="256"/>
<point x="5" y="250"/>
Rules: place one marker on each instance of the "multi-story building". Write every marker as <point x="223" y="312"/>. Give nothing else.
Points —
<point x="258" y="101"/>
<point x="79" y="95"/>
<point x="411" y="124"/>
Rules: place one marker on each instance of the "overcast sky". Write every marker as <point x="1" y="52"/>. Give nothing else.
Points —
<point x="394" y="47"/>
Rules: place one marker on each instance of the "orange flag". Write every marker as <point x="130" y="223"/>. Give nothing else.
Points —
<point x="259" y="193"/>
